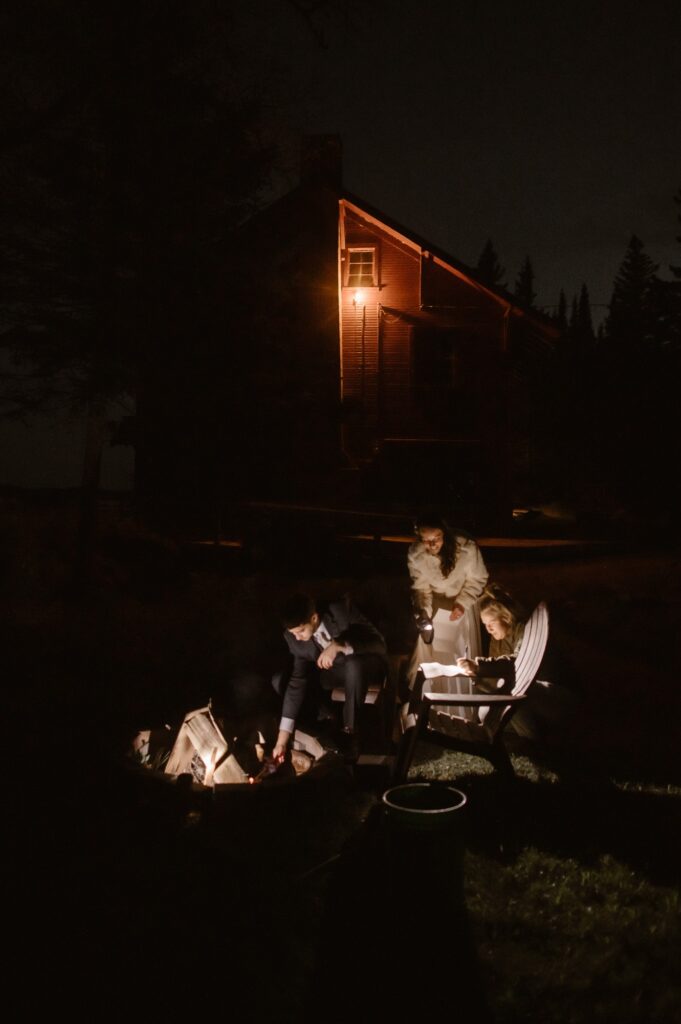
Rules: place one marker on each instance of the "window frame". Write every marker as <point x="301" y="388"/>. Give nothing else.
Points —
<point x="373" y="249"/>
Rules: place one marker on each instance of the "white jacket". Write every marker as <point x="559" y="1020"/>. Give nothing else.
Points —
<point x="464" y="585"/>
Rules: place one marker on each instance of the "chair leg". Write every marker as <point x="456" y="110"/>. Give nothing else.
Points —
<point x="500" y="759"/>
<point x="387" y="710"/>
<point x="405" y="753"/>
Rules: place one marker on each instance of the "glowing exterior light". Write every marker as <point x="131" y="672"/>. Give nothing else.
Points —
<point x="358" y="297"/>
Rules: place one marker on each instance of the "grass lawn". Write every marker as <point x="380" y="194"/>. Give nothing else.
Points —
<point x="572" y="888"/>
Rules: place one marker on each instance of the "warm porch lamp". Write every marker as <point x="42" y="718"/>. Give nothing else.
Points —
<point x="358" y="297"/>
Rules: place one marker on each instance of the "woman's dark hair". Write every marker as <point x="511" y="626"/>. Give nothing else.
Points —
<point x="297" y="610"/>
<point x="447" y="553"/>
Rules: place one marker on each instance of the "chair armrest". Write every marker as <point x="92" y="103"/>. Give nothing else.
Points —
<point x="474" y="699"/>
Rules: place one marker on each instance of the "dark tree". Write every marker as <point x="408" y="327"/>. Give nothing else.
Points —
<point x="561" y="313"/>
<point x="524" y="286"/>
<point x="638" y="375"/>
<point x="574" y="317"/>
<point x="676" y="270"/>
<point x="130" y="151"/>
<point x="583" y="330"/>
<point x="490" y="270"/>
<point x="631" y="320"/>
<point x="667" y="298"/>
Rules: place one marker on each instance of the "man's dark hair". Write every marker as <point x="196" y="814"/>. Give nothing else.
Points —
<point x="297" y="610"/>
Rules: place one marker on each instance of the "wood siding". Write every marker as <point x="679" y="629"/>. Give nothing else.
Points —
<point x="420" y="316"/>
<point x="376" y="343"/>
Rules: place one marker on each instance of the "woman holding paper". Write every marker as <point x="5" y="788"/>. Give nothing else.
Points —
<point x="548" y="704"/>
<point x="448" y="576"/>
<point x="503" y="620"/>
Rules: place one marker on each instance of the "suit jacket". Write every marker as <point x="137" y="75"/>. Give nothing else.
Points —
<point x="345" y="623"/>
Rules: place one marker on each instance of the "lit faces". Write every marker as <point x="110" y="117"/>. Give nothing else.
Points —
<point x="494" y="626"/>
<point x="432" y="540"/>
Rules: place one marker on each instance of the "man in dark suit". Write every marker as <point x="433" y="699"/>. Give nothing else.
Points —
<point x="332" y="645"/>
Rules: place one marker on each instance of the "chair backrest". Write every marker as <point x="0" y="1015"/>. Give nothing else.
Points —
<point x="527" y="662"/>
<point x="532" y="647"/>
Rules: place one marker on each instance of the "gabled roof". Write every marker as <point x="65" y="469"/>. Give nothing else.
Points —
<point x="409" y="238"/>
<point x="414" y="241"/>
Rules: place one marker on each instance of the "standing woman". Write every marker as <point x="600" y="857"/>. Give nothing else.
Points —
<point x="447" y="572"/>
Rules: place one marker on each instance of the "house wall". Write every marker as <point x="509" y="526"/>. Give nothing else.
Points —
<point x="375" y="344"/>
<point x="418" y="348"/>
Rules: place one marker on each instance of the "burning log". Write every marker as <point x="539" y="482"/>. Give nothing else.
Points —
<point x="202" y="752"/>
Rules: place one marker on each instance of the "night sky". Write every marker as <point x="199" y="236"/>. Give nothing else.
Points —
<point x="553" y="129"/>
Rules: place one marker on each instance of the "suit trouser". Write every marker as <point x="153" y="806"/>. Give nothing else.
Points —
<point x="354" y="672"/>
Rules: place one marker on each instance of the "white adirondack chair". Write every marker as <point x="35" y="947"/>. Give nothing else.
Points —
<point x="482" y="738"/>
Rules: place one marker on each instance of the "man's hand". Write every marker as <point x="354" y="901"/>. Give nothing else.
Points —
<point x="469" y="667"/>
<point x="279" y="749"/>
<point x="457" y="611"/>
<point x="329" y="654"/>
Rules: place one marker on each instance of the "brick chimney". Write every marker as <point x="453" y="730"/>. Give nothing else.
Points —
<point x="321" y="160"/>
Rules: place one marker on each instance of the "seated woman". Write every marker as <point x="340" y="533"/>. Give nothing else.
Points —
<point x="548" y="704"/>
<point x="505" y="624"/>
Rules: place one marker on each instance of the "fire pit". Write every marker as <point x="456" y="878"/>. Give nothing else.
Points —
<point x="213" y="756"/>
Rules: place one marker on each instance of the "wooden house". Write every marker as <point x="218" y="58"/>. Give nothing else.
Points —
<point x="342" y="344"/>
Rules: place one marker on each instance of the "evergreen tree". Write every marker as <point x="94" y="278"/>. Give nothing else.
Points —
<point x="668" y="298"/>
<point x="676" y="271"/>
<point x="631" y="319"/>
<point x="584" y="324"/>
<point x="146" y="160"/>
<point x="116" y="200"/>
<point x="524" y="286"/>
<point x="574" y="318"/>
<point x="490" y="270"/>
<point x="639" y="388"/>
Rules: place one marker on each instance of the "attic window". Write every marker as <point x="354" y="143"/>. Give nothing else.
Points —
<point x="361" y="268"/>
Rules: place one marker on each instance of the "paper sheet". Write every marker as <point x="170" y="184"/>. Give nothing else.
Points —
<point x="432" y="669"/>
<point x="447" y="633"/>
